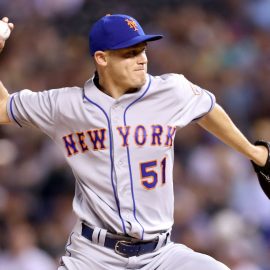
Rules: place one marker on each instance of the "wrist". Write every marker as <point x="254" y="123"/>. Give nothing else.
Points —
<point x="260" y="155"/>
<point x="2" y="44"/>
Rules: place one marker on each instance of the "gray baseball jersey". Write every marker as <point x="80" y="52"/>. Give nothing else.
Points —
<point x="120" y="150"/>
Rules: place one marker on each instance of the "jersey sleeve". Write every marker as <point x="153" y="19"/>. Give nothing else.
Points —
<point x="193" y="102"/>
<point x="37" y="109"/>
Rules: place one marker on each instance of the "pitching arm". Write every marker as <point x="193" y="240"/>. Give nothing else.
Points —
<point x="219" y="124"/>
<point x="4" y="95"/>
<point x="4" y="119"/>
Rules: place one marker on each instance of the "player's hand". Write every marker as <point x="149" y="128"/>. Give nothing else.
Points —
<point x="263" y="172"/>
<point x="11" y="27"/>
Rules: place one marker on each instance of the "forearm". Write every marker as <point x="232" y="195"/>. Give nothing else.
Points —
<point x="219" y="124"/>
<point x="4" y="95"/>
<point x="2" y="44"/>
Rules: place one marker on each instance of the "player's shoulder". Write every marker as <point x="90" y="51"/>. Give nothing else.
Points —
<point x="66" y="91"/>
<point x="176" y="86"/>
<point x="53" y="92"/>
<point x="54" y="95"/>
<point x="65" y="94"/>
<point x="169" y="78"/>
<point x="168" y="81"/>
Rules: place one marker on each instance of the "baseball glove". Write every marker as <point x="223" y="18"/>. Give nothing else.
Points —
<point x="263" y="173"/>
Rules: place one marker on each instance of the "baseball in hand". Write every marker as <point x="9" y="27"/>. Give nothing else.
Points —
<point x="4" y="30"/>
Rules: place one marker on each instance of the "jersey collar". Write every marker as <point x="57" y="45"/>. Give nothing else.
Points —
<point x="92" y="91"/>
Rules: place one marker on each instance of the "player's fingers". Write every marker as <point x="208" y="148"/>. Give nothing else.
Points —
<point x="11" y="26"/>
<point x="5" y="19"/>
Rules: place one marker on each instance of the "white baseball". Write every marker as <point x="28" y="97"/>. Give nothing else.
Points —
<point x="4" y="30"/>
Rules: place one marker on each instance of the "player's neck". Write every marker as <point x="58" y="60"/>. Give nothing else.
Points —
<point x="111" y="89"/>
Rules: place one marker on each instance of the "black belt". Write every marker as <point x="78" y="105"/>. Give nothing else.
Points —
<point x="124" y="247"/>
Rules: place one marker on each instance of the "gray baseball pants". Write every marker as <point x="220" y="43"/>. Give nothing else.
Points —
<point x="82" y="254"/>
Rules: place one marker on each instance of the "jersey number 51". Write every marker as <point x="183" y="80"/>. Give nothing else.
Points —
<point x="151" y="171"/>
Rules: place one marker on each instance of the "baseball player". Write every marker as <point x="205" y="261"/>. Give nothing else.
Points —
<point x="117" y="134"/>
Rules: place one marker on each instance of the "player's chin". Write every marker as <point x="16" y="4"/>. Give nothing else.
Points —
<point x="140" y="80"/>
<point x="139" y="84"/>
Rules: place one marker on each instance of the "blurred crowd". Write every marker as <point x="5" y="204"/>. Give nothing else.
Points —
<point x="223" y="46"/>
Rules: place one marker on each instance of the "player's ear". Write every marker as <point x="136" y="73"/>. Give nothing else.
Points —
<point x="100" y="58"/>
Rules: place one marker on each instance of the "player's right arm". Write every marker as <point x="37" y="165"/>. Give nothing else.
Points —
<point x="11" y="26"/>
<point x="4" y="95"/>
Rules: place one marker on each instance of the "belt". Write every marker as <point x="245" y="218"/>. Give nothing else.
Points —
<point x="124" y="247"/>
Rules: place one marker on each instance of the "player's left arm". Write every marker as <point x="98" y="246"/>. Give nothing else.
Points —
<point x="219" y="124"/>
